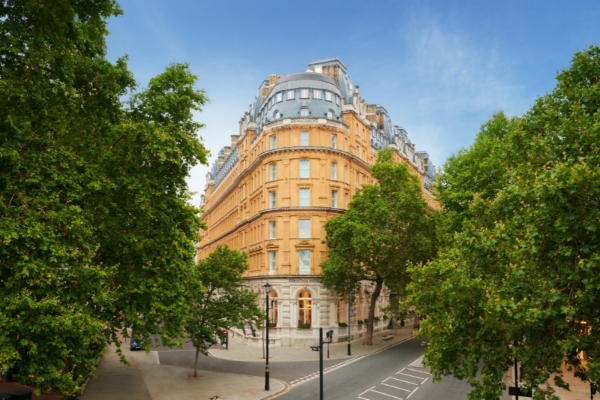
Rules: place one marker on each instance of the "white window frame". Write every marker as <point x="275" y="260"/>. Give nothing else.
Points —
<point x="304" y="112"/>
<point x="272" y="230"/>
<point x="304" y="197"/>
<point x="273" y="142"/>
<point x="272" y="261"/>
<point x="304" y="229"/>
<point x="290" y="95"/>
<point x="272" y="199"/>
<point x="329" y="114"/>
<point x="327" y="96"/>
<point x="334" y="171"/>
<point x="304" y="169"/>
<point x="272" y="171"/>
<point x="279" y="97"/>
<point x="317" y="94"/>
<point x="304" y="138"/>
<point x="304" y="93"/>
<point x="333" y="141"/>
<point x="337" y="100"/>
<point x="304" y="261"/>
<point x="334" y="199"/>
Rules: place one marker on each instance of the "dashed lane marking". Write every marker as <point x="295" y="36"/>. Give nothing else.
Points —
<point x="325" y="371"/>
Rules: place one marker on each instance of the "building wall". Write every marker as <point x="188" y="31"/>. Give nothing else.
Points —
<point x="245" y="196"/>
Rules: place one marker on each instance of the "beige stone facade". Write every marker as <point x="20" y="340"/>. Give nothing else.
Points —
<point x="288" y="171"/>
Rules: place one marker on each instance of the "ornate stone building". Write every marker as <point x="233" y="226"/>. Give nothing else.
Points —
<point x="303" y="149"/>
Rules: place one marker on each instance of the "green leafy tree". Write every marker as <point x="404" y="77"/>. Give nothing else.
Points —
<point x="386" y="228"/>
<point x="224" y="302"/>
<point x="520" y="277"/>
<point x="96" y="233"/>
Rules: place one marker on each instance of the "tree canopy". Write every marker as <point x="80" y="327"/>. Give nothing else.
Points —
<point x="96" y="232"/>
<point x="386" y="228"/>
<point x="519" y="272"/>
<point x="224" y="303"/>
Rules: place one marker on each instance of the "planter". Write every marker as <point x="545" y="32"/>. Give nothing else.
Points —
<point x="303" y="326"/>
<point x="342" y="325"/>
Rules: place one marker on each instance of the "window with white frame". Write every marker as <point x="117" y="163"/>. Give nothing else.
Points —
<point x="329" y="114"/>
<point x="272" y="199"/>
<point x="273" y="171"/>
<point x="290" y="95"/>
<point x="279" y="96"/>
<point x="346" y="173"/>
<point x="328" y="96"/>
<point x="304" y="197"/>
<point x="272" y="261"/>
<point x="272" y="230"/>
<point x="304" y="307"/>
<point x="304" y="93"/>
<point x="304" y="228"/>
<point x="303" y="138"/>
<point x="304" y="169"/>
<point x="304" y="112"/>
<point x="333" y="171"/>
<point x="304" y="258"/>
<point x="333" y="141"/>
<point x="337" y="100"/>
<point x="334" y="198"/>
<point x="317" y="94"/>
<point x="277" y="114"/>
<point x="272" y="141"/>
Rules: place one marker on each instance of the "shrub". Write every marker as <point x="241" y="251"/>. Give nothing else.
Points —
<point x="343" y="325"/>
<point x="360" y="322"/>
<point x="303" y="326"/>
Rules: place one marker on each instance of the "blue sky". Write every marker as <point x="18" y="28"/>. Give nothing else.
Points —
<point x="441" y="68"/>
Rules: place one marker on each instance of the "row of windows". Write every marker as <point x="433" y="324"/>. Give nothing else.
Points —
<point x="304" y="257"/>
<point x="303" y="140"/>
<point x="303" y="229"/>
<point x="305" y="94"/>
<point x="304" y="198"/>
<point x="305" y="170"/>
<point x="304" y="112"/>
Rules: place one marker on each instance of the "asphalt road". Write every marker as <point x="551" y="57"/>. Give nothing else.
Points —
<point x="385" y="375"/>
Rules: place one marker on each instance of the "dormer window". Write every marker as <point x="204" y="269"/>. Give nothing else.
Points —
<point x="329" y="114"/>
<point x="317" y="94"/>
<point x="337" y="100"/>
<point x="279" y="96"/>
<point x="290" y="95"/>
<point x="328" y="96"/>
<point x="304" y="93"/>
<point x="277" y="114"/>
<point x="304" y="112"/>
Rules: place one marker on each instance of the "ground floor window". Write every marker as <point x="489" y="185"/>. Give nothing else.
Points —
<point x="341" y="311"/>
<point x="274" y="309"/>
<point x="304" y="309"/>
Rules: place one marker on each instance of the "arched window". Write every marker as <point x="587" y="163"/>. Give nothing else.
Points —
<point x="304" y="308"/>
<point x="330" y="114"/>
<point x="277" y="114"/>
<point x="304" y="112"/>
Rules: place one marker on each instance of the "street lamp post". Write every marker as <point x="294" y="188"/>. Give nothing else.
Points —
<point x="267" y="287"/>
<point x="348" y="300"/>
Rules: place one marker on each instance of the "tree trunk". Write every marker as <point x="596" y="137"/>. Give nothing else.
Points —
<point x="196" y="364"/>
<point x="371" y="321"/>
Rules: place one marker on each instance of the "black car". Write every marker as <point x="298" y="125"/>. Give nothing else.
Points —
<point x="134" y="345"/>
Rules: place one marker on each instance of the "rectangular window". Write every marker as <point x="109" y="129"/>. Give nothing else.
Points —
<point x="290" y="95"/>
<point x="279" y="96"/>
<point x="333" y="171"/>
<point x="272" y="230"/>
<point x="272" y="142"/>
<point x="304" y="169"/>
<point x="304" y="197"/>
<point x="273" y="171"/>
<point x="304" y="261"/>
<point x="272" y="200"/>
<point x="317" y="94"/>
<point x="346" y="144"/>
<point x="328" y="96"/>
<point x="346" y="200"/>
<point x="304" y="228"/>
<point x="304" y="93"/>
<point x="303" y="138"/>
<point x="333" y="141"/>
<point x="337" y="100"/>
<point x="272" y="261"/>
<point x="334" y="198"/>
<point x="346" y="173"/>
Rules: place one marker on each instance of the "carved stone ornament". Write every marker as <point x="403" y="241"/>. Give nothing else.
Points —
<point x="305" y="243"/>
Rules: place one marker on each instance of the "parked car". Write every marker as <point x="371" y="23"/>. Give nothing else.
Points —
<point x="135" y="345"/>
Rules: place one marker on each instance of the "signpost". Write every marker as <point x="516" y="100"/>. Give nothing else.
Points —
<point x="319" y="348"/>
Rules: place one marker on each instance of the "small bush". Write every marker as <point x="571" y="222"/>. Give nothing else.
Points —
<point x="360" y="322"/>
<point x="303" y="326"/>
<point x="376" y="319"/>
<point x="343" y="325"/>
<point x="385" y="318"/>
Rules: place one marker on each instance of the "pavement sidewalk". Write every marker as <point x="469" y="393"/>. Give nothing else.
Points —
<point x="146" y="379"/>
<point x="240" y="352"/>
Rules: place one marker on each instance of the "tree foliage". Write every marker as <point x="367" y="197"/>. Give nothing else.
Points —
<point x="224" y="302"/>
<point x="96" y="234"/>
<point x="386" y="228"/>
<point x="519" y="276"/>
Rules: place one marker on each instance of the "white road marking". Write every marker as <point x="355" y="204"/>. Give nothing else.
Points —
<point x="325" y="371"/>
<point x="364" y="393"/>
<point x="412" y="376"/>
<point x="385" y="394"/>
<point x="414" y="370"/>
<point x="395" y="387"/>
<point x="411" y="393"/>
<point x="412" y="383"/>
